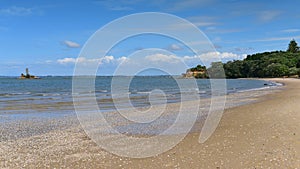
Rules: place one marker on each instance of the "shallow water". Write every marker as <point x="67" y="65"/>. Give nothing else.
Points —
<point x="47" y="104"/>
<point x="53" y="95"/>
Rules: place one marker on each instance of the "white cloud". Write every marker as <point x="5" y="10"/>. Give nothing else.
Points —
<point x="71" y="44"/>
<point x="290" y="30"/>
<point x="157" y="58"/>
<point x="209" y="57"/>
<point x="206" y="58"/>
<point x="266" y="16"/>
<point x="103" y="60"/>
<point x="163" y="58"/>
<point x="174" y="64"/>
<point x="174" y="47"/>
<point x="16" y="11"/>
<point x="106" y="59"/>
<point x="166" y="62"/>
<point x="48" y="61"/>
<point x="221" y="31"/>
<point x="122" y="59"/>
<point x="66" y="60"/>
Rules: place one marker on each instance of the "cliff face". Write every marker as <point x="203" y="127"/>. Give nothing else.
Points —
<point x="195" y="74"/>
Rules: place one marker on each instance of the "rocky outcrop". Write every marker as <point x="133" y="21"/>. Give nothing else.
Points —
<point x="28" y="76"/>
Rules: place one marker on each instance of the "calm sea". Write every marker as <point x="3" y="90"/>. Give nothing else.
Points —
<point x="54" y="94"/>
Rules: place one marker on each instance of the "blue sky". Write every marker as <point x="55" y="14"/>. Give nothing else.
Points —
<point x="47" y="36"/>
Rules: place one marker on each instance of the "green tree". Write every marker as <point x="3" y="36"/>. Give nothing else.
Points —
<point x="276" y="70"/>
<point x="298" y="64"/>
<point x="293" y="46"/>
<point x="216" y="71"/>
<point x="198" y="68"/>
<point x="267" y="64"/>
<point x="293" y="71"/>
<point x="233" y="69"/>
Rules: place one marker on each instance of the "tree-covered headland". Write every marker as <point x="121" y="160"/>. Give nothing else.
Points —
<point x="267" y="64"/>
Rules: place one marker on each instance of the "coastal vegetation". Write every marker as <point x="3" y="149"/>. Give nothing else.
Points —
<point x="267" y="64"/>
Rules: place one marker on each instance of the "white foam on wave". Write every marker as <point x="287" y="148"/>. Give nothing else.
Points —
<point x="255" y="89"/>
<point x="148" y="92"/>
<point x="270" y="85"/>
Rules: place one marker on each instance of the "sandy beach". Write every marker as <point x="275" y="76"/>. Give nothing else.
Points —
<point x="264" y="134"/>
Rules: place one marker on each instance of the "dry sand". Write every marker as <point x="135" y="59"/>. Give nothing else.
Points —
<point x="265" y="134"/>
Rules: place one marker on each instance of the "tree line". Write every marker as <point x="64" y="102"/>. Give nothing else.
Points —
<point x="267" y="64"/>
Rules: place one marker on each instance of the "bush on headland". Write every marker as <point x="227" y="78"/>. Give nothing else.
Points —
<point x="267" y="64"/>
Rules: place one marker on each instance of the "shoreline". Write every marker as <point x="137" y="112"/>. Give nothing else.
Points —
<point x="46" y="121"/>
<point x="261" y="134"/>
<point x="66" y="103"/>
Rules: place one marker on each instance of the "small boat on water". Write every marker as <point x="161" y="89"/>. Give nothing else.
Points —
<point x="28" y="76"/>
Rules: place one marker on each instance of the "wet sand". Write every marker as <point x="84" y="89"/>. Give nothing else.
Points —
<point x="264" y="134"/>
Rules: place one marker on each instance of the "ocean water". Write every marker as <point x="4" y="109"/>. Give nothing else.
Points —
<point x="52" y="96"/>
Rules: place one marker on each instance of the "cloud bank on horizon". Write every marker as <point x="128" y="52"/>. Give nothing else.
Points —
<point x="48" y="36"/>
<point x="169" y="62"/>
